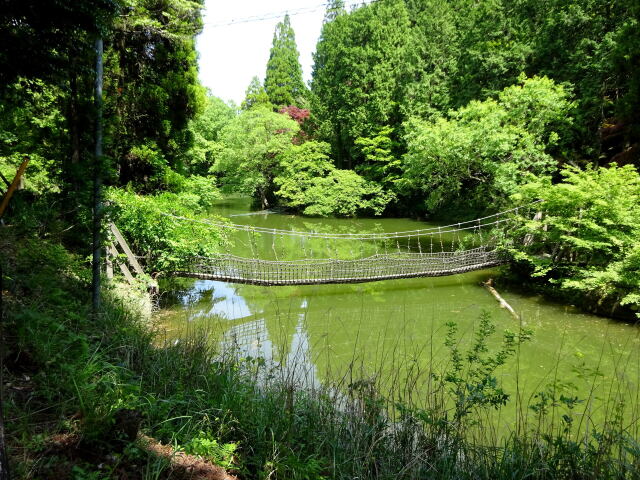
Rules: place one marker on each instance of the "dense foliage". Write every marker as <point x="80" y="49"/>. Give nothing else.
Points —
<point x="150" y="85"/>
<point x="389" y="61"/>
<point x="207" y="128"/>
<point x="256" y="95"/>
<point x="166" y="243"/>
<point x="152" y="88"/>
<point x="480" y="153"/>
<point x="358" y="66"/>
<point x="587" y="245"/>
<point x="309" y="182"/>
<point x="252" y="144"/>
<point x="260" y="156"/>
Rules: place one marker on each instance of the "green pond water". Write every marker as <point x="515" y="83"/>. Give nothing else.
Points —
<point x="390" y="326"/>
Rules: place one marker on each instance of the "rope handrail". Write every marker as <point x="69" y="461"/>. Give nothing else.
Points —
<point x="377" y="256"/>
<point x="430" y="231"/>
<point x="344" y="236"/>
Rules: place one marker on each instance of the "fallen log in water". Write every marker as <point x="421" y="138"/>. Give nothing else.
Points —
<point x="503" y="303"/>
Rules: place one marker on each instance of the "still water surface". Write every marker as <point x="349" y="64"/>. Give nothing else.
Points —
<point x="385" y="325"/>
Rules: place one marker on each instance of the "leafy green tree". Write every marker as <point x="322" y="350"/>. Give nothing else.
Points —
<point x="48" y="52"/>
<point x="283" y="82"/>
<point x="216" y="115"/>
<point x="344" y="193"/>
<point x="450" y="53"/>
<point x="206" y="129"/>
<point x="482" y="152"/>
<point x="625" y="60"/>
<point x="151" y="89"/>
<point x="493" y="48"/>
<point x="577" y="41"/>
<point x="255" y="95"/>
<point x="299" y="165"/>
<point x="253" y="143"/>
<point x="587" y="244"/>
<point x="334" y="8"/>
<point x="309" y="182"/>
<point x="49" y="40"/>
<point x="32" y="124"/>
<point x="381" y="163"/>
<point x="151" y="86"/>
<point x="432" y="59"/>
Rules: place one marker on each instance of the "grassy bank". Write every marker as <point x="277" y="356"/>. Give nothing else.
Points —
<point x="80" y="392"/>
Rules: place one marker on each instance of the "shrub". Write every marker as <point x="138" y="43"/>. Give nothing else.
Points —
<point x="588" y="242"/>
<point x="168" y="243"/>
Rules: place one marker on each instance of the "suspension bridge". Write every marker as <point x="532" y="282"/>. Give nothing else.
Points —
<point x="427" y="252"/>
<point x="331" y="258"/>
<point x="229" y="268"/>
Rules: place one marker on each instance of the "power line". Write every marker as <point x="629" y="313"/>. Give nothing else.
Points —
<point x="268" y="16"/>
<point x="282" y="13"/>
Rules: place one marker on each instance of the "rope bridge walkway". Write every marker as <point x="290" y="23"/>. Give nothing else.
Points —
<point x="229" y="268"/>
<point x="427" y="252"/>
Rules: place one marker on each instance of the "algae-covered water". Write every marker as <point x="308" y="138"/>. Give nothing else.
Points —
<point x="387" y="326"/>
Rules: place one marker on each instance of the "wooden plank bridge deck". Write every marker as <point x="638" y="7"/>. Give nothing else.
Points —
<point x="229" y="268"/>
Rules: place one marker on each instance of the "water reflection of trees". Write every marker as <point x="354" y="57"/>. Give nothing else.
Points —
<point x="334" y="318"/>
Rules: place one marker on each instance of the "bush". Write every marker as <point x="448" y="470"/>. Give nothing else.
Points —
<point x="588" y="243"/>
<point x="168" y="243"/>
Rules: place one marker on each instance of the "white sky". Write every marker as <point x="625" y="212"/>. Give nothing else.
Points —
<point x="231" y="55"/>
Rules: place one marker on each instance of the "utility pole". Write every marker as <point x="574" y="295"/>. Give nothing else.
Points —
<point x="4" y="461"/>
<point x="97" y="180"/>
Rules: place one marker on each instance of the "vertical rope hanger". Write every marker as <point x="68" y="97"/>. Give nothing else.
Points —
<point x="327" y="248"/>
<point x="252" y="243"/>
<point x="303" y="248"/>
<point x="273" y="244"/>
<point x="456" y="236"/>
<point x="283" y="251"/>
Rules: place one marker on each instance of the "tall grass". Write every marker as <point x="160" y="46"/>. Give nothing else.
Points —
<point x="393" y="419"/>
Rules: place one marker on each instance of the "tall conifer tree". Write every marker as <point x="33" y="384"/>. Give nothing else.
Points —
<point x="358" y="75"/>
<point x="283" y="81"/>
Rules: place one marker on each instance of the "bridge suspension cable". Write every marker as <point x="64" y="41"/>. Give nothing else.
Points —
<point x="468" y="225"/>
